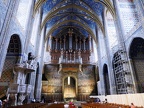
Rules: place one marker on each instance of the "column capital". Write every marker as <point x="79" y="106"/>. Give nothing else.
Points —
<point x="56" y="39"/>
<point x="60" y="41"/>
<point x="84" y="39"/>
<point x="70" y="32"/>
<point x="50" y="36"/>
<point x="89" y="37"/>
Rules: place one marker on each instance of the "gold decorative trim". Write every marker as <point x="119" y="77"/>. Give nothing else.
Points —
<point x="40" y="2"/>
<point x="38" y="5"/>
<point x="107" y="4"/>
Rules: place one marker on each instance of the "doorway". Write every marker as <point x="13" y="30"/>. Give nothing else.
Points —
<point x="69" y="88"/>
<point x="106" y="80"/>
<point x="137" y="58"/>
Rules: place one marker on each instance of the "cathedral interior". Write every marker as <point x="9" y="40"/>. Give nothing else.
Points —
<point x="71" y="49"/>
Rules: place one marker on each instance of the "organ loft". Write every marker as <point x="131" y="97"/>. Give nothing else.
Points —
<point x="72" y="50"/>
<point x="70" y="54"/>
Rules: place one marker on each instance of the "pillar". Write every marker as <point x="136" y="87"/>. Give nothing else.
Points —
<point x="89" y="37"/>
<point x="76" y="40"/>
<point x="80" y="44"/>
<point x="60" y="43"/>
<point x="64" y="42"/>
<point x="50" y="43"/>
<point x="56" y="47"/>
<point x="84" y="39"/>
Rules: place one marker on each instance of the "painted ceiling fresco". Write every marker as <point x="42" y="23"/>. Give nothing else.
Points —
<point x="80" y="15"/>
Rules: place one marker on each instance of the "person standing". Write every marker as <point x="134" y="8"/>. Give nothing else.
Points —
<point x="132" y="105"/>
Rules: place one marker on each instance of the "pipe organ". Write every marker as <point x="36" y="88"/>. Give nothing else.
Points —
<point x="70" y="57"/>
<point x="70" y="48"/>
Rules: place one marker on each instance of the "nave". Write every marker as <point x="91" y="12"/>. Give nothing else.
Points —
<point x="72" y="49"/>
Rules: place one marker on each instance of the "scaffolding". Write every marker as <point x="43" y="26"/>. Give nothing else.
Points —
<point x="122" y="72"/>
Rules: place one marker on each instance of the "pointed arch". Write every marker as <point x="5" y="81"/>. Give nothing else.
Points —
<point x="108" y="4"/>
<point x="39" y="3"/>
<point x="136" y="54"/>
<point x="13" y="56"/>
<point x="106" y="79"/>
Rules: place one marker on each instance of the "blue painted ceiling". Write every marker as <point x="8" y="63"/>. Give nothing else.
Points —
<point x="71" y="13"/>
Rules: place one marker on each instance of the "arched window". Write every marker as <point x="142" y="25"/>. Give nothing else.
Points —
<point x="111" y="30"/>
<point x="14" y="45"/>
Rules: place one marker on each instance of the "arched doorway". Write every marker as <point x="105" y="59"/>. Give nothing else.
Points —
<point x="106" y="80"/>
<point x="69" y="91"/>
<point x="12" y="57"/>
<point x="137" y="56"/>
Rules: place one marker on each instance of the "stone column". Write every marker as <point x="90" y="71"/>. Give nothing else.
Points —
<point x="70" y="38"/>
<point x="64" y="42"/>
<point x="50" y="43"/>
<point x="84" y="39"/>
<point x="79" y="56"/>
<point x="32" y="82"/>
<point x="53" y="44"/>
<point x="74" y="57"/>
<point x="80" y="44"/>
<point x="76" y="40"/>
<point x="60" y="43"/>
<point x="40" y="64"/>
<point x="56" y="47"/>
<point x="89" y="37"/>
<point x="70" y="42"/>
<point x="100" y="63"/>
<point x="66" y="57"/>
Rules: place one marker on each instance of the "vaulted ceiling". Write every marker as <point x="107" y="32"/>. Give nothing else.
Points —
<point x="83" y="16"/>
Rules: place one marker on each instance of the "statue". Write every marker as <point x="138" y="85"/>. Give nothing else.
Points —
<point x="31" y="62"/>
<point x="80" y="68"/>
<point x="60" y="68"/>
<point x="30" y="56"/>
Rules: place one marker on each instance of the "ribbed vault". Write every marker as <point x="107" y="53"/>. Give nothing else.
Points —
<point x="84" y="16"/>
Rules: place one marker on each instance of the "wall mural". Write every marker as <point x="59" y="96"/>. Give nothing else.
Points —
<point x="52" y="87"/>
<point x="86" y="83"/>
